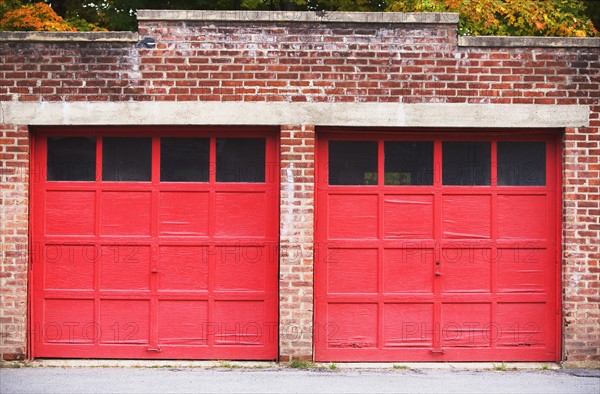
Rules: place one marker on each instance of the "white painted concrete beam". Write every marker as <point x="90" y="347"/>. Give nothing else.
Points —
<point x="277" y="113"/>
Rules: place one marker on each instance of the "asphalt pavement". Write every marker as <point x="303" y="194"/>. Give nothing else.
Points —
<point x="288" y="380"/>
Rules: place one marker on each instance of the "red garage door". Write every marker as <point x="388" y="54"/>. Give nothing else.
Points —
<point x="155" y="244"/>
<point x="437" y="248"/>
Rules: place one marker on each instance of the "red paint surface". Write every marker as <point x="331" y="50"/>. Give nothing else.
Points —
<point x="155" y="269"/>
<point x="437" y="273"/>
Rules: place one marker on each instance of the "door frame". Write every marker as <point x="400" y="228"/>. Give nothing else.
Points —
<point x="552" y="135"/>
<point x="36" y="171"/>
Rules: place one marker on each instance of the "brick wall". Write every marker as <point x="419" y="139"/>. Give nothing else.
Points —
<point x="317" y="62"/>
<point x="14" y="175"/>
<point x="296" y="247"/>
<point x="581" y="246"/>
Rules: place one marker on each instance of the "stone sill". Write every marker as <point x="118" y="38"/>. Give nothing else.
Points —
<point x="59" y="36"/>
<point x="528" y="42"/>
<point x="299" y="16"/>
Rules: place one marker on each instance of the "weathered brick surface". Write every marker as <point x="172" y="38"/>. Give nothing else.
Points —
<point x="297" y="62"/>
<point x="14" y="178"/>
<point x="296" y="235"/>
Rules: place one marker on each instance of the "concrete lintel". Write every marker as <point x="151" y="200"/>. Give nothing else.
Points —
<point x="60" y="36"/>
<point x="277" y="113"/>
<point x="299" y="16"/>
<point x="529" y="42"/>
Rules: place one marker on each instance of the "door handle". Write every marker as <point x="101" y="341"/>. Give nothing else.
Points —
<point x="438" y="273"/>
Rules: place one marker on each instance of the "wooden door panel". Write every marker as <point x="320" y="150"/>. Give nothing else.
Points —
<point x="408" y="216"/>
<point x="456" y="266"/>
<point x="408" y="325"/>
<point x="151" y="259"/>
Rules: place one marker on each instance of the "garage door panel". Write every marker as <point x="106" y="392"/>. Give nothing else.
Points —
<point x="240" y="214"/>
<point x="466" y="216"/>
<point x="183" y="322"/>
<point x="352" y="216"/>
<point x="522" y="270"/>
<point x="125" y="267"/>
<point x="408" y="216"/>
<point x="408" y="270"/>
<point x="68" y="321"/>
<point x="241" y="267"/>
<point x="522" y="217"/>
<point x="170" y="253"/>
<point x="183" y="213"/>
<point x="463" y="263"/>
<point x="126" y="213"/>
<point x="466" y="325"/>
<point x="466" y="270"/>
<point x="352" y="270"/>
<point x="183" y="268"/>
<point x="125" y="321"/>
<point x="69" y="267"/>
<point x="79" y="219"/>
<point x="408" y="325"/>
<point x="522" y="324"/>
<point x="352" y="326"/>
<point x="240" y="323"/>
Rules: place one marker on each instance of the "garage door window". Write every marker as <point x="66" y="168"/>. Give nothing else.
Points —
<point x="126" y="159"/>
<point x="466" y="163"/>
<point x="408" y="163"/>
<point x="71" y="159"/>
<point x="240" y="160"/>
<point x="521" y="163"/>
<point x="352" y="162"/>
<point x="184" y="159"/>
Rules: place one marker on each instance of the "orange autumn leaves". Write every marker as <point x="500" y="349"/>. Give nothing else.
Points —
<point x="565" y="18"/>
<point x="36" y="17"/>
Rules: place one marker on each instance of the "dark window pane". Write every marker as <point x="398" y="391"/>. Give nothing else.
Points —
<point x="352" y="162"/>
<point x="71" y="159"/>
<point x="466" y="163"/>
<point x="521" y="163"/>
<point x="408" y="163"/>
<point x="126" y="159"/>
<point x="184" y="159"/>
<point x="241" y="159"/>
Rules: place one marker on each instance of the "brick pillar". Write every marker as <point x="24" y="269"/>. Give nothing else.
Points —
<point x="296" y="242"/>
<point x="581" y="252"/>
<point x="14" y="166"/>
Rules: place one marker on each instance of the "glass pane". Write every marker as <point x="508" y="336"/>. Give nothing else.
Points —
<point x="184" y="159"/>
<point x="126" y="159"/>
<point x="466" y="163"/>
<point x="71" y="159"/>
<point x="408" y="163"/>
<point x="241" y="159"/>
<point x="352" y="162"/>
<point x="521" y="163"/>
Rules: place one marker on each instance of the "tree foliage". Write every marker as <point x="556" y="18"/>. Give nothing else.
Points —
<point x="38" y="16"/>
<point x="477" y="17"/>
<point x="510" y="17"/>
<point x="32" y="17"/>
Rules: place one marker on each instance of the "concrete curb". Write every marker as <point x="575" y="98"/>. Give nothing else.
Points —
<point x="209" y="364"/>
